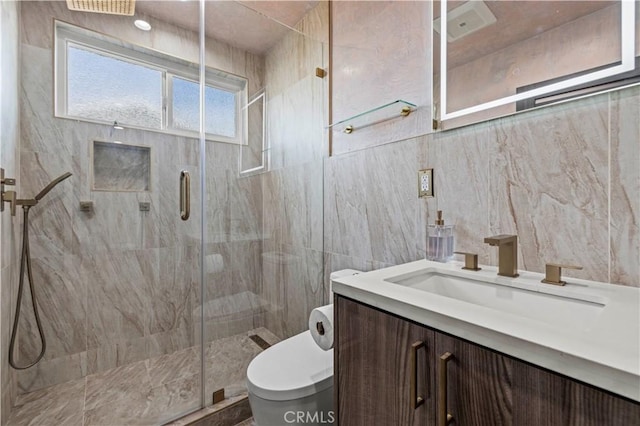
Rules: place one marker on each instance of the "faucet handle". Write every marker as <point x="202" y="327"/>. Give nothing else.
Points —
<point x="470" y="260"/>
<point x="9" y="197"/>
<point x="553" y="273"/>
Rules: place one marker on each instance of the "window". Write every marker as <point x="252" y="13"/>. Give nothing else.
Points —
<point x="100" y="79"/>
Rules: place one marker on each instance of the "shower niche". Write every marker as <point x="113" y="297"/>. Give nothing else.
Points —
<point x="120" y="167"/>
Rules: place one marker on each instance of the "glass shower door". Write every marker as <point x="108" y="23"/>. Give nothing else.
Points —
<point x="263" y="251"/>
<point x="115" y="266"/>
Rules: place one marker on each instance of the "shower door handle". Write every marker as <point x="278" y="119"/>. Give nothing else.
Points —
<point x="185" y="195"/>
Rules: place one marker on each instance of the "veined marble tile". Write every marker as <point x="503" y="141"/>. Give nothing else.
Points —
<point x="370" y="203"/>
<point x="548" y="184"/>
<point x="171" y="367"/>
<point x="382" y="45"/>
<point x="52" y="372"/>
<point x="625" y="187"/>
<point x="61" y="294"/>
<point x="170" y="296"/>
<point x="118" y="294"/>
<point x="293" y="205"/>
<point x="460" y="161"/>
<point x="227" y="359"/>
<point x="50" y="225"/>
<point x="117" y="385"/>
<point x="61" y="405"/>
<point x="245" y="208"/>
<point x="116" y="353"/>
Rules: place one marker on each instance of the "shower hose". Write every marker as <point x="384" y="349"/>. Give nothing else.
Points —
<point x="25" y="262"/>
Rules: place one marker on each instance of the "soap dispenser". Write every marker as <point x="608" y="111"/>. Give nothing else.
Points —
<point x="440" y="240"/>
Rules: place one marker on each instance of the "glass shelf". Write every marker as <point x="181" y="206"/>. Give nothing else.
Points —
<point x="375" y="115"/>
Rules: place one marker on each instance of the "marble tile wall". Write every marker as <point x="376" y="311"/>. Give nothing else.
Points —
<point x="9" y="160"/>
<point x="564" y="179"/>
<point x="381" y="53"/>
<point x="292" y="191"/>
<point x="118" y="285"/>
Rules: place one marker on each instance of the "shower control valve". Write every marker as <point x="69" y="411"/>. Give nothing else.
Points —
<point x="7" y="196"/>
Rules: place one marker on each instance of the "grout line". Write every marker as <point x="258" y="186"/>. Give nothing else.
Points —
<point x="84" y="402"/>
<point x="609" y="131"/>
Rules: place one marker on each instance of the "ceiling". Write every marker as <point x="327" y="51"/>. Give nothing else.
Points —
<point x="254" y="26"/>
<point x="516" y="21"/>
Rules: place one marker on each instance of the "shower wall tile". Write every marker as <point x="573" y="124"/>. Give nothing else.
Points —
<point x="625" y="187"/>
<point x="294" y="137"/>
<point x="61" y="293"/>
<point x="9" y="160"/>
<point x="52" y="372"/>
<point x="245" y="207"/>
<point x="295" y="96"/>
<point x="118" y="289"/>
<point x="293" y="286"/>
<point x="61" y="405"/>
<point x="171" y="295"/>
<point x="549" y="185"/>
<point x="116" y="353"/>
<point x="290" y="198"/>
<point x="50" y="224"/>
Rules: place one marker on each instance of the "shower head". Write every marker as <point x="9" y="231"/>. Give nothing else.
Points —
<point x="51" y="185"/>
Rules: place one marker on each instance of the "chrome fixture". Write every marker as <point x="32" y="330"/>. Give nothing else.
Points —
<point x="25" y="266"/>
<point x="115" y="126"/>
<point x="507" y="253"/>
<point x="553" y="273"/>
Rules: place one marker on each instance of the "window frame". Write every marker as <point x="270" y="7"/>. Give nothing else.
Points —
<point x="66" y="34"/>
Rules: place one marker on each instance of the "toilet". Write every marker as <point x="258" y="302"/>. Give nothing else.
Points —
<point x="292" y="381"/>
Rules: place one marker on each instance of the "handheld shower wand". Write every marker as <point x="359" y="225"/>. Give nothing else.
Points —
<point x="25" y="264"/>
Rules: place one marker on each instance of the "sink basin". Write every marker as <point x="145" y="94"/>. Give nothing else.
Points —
<point x="552" y="309"/>
<point x="586" y="330"/>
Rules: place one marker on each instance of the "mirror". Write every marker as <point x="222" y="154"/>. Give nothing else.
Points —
<point x="502" y="57"/>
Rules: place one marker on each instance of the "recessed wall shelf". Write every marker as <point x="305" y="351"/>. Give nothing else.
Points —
<point x="121" y="167"/>
<point x="375" y="115"/>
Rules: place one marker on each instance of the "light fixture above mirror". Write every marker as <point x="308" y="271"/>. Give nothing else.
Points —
<point x="501" y="57"/>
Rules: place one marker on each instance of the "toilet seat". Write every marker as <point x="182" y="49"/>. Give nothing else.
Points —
<point x="292" y="369"/>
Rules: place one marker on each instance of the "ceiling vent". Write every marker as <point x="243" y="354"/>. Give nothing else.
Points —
<point x="112" y="7"/>
<point x="466" y="19"/>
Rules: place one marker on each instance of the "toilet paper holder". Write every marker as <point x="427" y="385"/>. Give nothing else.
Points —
<point x="320" y="328"/>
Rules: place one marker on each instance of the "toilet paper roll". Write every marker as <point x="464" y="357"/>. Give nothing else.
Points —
<point x="321" y="326"/>
<point x="213" y="263"/>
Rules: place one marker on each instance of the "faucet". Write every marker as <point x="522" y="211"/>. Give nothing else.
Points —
<point x="507" y="253"/>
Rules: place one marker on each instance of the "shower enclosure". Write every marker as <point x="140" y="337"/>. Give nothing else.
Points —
<point x="149" y="311"/>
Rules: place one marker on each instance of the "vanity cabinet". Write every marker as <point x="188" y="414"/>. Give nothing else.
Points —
<point x="373" y="368"/>
<point x="375" y="354"/>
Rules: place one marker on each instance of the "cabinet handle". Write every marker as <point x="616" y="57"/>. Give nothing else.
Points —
<point x="416" y="400"/>
<point x="443" y="416"/>
<point x="185" y="195"/>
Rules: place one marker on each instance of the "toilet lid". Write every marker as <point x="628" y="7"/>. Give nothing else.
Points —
<point x="292" y="369"/>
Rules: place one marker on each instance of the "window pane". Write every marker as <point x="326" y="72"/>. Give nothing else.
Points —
<point x="105" y="88"/>
<point x="220" y="108"/>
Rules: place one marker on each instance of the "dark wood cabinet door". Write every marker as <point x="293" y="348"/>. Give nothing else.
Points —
<point x="479" y="382"/>
<point x="374" y="368"/>
<point x="485" y="388"/>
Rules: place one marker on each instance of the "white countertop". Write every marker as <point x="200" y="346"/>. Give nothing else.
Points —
<point x="605" y="353"/>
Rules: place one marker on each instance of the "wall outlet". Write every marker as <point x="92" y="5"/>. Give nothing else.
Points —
<point x="425" y="183"/>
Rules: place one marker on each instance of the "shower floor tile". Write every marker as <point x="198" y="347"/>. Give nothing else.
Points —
<point x="141" y="393"/>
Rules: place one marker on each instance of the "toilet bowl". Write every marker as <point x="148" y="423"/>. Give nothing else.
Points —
<point x="292" y="383"/>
